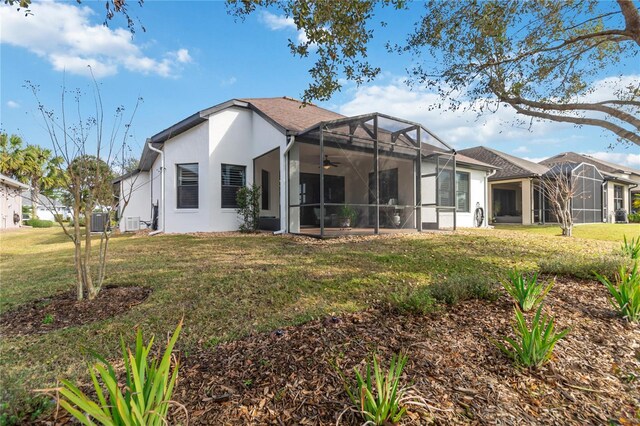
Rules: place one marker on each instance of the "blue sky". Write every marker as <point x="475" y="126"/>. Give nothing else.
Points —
<point x="194" y="55"/>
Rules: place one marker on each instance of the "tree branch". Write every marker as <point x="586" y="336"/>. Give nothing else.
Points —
<point x="608" y="35"/>
<point x="620" y="131"/>
<point x="620" y="102"/>
<point x="631" y="19"/>
<point x="621" y="115"/>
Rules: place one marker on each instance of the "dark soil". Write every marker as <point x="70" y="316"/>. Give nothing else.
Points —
<point x="63" y="310"/>
<point x="287" y="376"/>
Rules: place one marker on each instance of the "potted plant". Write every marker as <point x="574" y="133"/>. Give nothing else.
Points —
<point x="347" y="216"/>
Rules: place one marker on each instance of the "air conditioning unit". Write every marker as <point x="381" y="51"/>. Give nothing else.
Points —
<point x="99" y="221"/>
<point x="132" y="223"/>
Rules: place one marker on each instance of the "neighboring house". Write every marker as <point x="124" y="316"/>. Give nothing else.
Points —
<point x="513" y="191"/>
<point x="46" y="207"/>
<point x="321" y="173"/>
<point x="10" y="202"/>
<point x="620" y="183"/>
<point x="603" y="190"/>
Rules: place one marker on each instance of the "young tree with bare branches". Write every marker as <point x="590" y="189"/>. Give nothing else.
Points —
<point x="560" y="188"/>
<point x="90" y="154"/>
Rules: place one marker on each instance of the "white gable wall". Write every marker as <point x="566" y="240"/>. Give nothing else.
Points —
<point x="232" y="136"/>
<point x="189" y="147"/>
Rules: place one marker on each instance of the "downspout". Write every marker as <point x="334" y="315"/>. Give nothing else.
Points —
<point x="292" y="139"/>
<point x="162" y="171"/>
<point x="486" y="195"/>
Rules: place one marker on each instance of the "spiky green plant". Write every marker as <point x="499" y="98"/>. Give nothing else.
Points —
<point x="625" y="292"/>
<point x="631" y="248"/>
<point x="143" y="400"/>
<point x="533" y="346"/>
<point x="526" y="289"/>
<point x="378" y="396"/>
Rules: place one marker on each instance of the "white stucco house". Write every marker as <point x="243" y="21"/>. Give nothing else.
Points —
<point x="315" y="168"/>
<point x="10" y="202"/>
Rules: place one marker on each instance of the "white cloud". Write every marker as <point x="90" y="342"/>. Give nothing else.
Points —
<point x="63" y="34"/>
<point x="13" y="104"/>
<point x="228" y="81"/>
<point x="606" y="88"/>
<point x="281" y="22"/>
<point x="277" y="22"/>
<point x="182" y="56"/>
<point x="629" y="159"/>
<point x="461" y="129"/>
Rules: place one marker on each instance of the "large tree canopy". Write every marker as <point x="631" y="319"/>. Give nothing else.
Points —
<point x="545" y="58"/>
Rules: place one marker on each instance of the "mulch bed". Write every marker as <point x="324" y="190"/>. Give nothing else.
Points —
<point x="286" y="377"/>
<point x="63" y="310"/>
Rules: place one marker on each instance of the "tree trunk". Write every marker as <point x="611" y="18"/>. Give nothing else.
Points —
<point x="77" y="241"/>
<point x="91" y="291"/>
<point x="35" y="192"/>
<point x="102" y="259"/>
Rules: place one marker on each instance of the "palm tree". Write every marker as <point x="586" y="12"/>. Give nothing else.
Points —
<point x="33" y="165"/>
<point x="41" y="170"/>
<point x="10" y="155"/>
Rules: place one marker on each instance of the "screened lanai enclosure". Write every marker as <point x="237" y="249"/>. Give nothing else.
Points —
<point x="364" y="175"/>
<point x="588" y="201"/>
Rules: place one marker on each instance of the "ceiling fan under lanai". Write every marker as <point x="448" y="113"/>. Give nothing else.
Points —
<point x="327" y="164"/>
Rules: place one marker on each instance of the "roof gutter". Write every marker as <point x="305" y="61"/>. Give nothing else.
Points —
<point x="162" y="174"/>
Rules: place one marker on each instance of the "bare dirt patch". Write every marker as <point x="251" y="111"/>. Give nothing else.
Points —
<point x="63" y="310"/>
<point x="286" y="377"/>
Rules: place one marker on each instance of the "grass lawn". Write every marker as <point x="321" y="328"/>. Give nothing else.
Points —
<point x="597" y="231"/>
<point x="230" y="286"/>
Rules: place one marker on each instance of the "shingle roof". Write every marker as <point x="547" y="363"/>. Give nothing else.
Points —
<point x="605" y="166"/>
<point x="428" y="150"/>
<point x="461" y="158"/>
<point x="291" y="114"/>
<point x="508" y="165"/>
